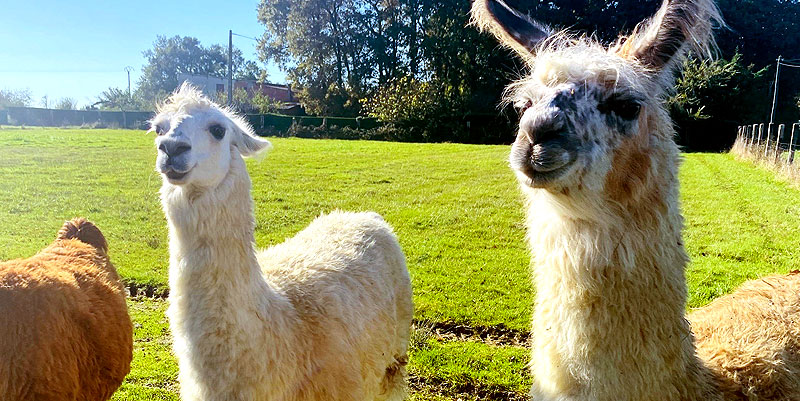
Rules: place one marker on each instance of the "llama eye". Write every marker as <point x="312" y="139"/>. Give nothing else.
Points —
<point x="159" y="130"/>
<point x="217" y="131"/>
<point x="626" y="109"/>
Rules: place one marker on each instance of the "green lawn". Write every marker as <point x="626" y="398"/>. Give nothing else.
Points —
<point x="456" y="210"/>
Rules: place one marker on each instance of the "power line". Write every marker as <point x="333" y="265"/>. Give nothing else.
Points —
<point x="789" y="65"/>
<point x="231" y="34"/>
<point x="246" y="37"/>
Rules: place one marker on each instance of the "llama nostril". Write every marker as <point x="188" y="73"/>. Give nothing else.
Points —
<point x="174" y="148"/>
<point x="181" y="148"/>
<point x="544" y="135"/>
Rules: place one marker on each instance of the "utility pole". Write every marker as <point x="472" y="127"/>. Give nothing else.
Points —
<point x="128" y="69"/>
<point x="775" y="92"/>
<point x="230" y="67"/>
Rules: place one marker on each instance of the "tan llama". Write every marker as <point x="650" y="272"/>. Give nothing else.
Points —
<point x="597" y="163"/>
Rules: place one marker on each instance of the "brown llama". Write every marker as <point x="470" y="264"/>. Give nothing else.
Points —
<point x="598" y="166"/>
<point x="65" y="333"/>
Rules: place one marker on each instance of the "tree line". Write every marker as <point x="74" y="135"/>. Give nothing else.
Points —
<point x="418" y="65"/>
<point x="419" y="60"/>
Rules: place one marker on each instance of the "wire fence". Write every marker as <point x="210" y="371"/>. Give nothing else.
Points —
<point x="771" y="145"/>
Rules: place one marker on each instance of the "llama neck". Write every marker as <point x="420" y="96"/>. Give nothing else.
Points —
<point x="609" y="320"/>
<point x="212" y="237"/>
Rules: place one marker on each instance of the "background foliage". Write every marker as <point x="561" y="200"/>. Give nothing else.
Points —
<point x="357" y="56"/>
<point x="421" y="69"/>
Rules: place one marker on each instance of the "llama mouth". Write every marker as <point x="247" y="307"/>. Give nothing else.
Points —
<point x="175" y="177"/>
<point x="542" y="163"/>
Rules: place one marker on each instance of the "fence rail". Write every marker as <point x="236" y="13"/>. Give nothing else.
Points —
<point x="33" y="116"/>
<point x="58" y="118"/>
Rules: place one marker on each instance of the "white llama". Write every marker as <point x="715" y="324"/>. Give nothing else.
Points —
<point x="324" y="316"/>
<point x="598" y="167"/>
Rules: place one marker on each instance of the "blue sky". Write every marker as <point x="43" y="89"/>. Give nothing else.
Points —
<point x="78" y="49"/>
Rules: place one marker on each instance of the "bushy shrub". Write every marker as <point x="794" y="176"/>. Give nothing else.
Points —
<point x="712" y="97"/>
<point x="430" y="111"/>
<point x="403" y="99"/>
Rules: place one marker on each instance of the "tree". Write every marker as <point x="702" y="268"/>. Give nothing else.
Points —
<point x="66" y="103"/>
<point x="172" y="56"/>
<point x="15" y="98"/>
<point x="118" y="99"/>
<point x="712" y="97"/>
<point x="250" y="102"/>
<point x="250" y="70"/>
<point x="343" y="54"/>
<point x="338" y="52"/>
<point x="319" y="45"/>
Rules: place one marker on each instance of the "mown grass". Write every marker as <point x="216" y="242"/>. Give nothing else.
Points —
<point x="741" y="223"/>
<point x="454" y="207"/>
<point x="456" y="210"/>
<point x="440" y="370"/>
<point x="154" y="370"/>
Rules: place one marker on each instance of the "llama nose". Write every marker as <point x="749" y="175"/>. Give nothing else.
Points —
<point x="173" y="148"/>
<point x="544" y="126"/>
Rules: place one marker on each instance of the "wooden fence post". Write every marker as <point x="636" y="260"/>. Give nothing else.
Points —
<point x="767" y="140"/>
<point x="790" y="160"/>
<point x="749" y="136"/>
<point x="760" y="135"/>
<point x="781" y="128"/>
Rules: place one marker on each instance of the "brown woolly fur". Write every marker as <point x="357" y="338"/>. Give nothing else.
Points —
<point x="84" y="231"/>
<point x="751" y="339"/>
<point x="598" y="166"/>
<point x="65" y="333"/>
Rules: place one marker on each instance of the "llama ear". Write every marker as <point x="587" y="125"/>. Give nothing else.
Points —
<point x="252" y="145"/>
<point x="662" y="42"/>
<point x="509" y="26"/>
<point x="248" y="143"/>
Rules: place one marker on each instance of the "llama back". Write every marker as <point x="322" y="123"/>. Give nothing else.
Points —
<point x="750" y="339"/>
<point x="354" y="265"/>
<point x="65" y="332"/>
<point x="360" y="245"/>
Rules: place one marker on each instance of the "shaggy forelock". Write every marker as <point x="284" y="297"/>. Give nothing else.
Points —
<point x="564" y="58"/>
<point x="187" y="99"/>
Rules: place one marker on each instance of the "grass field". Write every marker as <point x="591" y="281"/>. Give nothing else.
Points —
<point x="456" y="210"/>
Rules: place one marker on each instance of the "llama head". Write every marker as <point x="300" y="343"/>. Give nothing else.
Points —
<point x="197" y="139"/>
<point x="590" y="113"/>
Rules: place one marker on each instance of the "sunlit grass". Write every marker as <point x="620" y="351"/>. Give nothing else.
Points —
<point x="456" y="210"/>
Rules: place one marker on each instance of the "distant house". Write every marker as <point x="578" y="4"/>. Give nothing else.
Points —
<point x="212" y="86"/>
